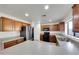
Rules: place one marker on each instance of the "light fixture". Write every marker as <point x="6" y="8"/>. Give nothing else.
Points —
<point x="26" y="14"/>
<point x="50" y="20"/>
<point x="46" y="7"/>
<point x="44" y="15"/>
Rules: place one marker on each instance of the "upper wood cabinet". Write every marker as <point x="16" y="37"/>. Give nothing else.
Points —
<point x="62" y="26"/>
<point x="24" y="24"/>
<point x="0" y="24"/>
<point x="7" y="24"/>
<point x="54" y="27"/>
<point x="17" y="26"/>
<point x="76" y="18"/>
<point x="45" y="26"/>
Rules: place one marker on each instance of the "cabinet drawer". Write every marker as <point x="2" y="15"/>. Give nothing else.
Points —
<point x="9" y="44"/>
<point x="12" y="43"/>
<point x="53" y="39"/>
<point x="20" y="40"/>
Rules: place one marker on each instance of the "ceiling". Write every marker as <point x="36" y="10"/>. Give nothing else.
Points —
<point x="56" y="12"/>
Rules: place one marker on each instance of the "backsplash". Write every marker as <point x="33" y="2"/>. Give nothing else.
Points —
<point x="9" y="34"/>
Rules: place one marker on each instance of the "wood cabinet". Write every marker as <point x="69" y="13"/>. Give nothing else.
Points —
<point x="54" y="27"/>
<point x="62" y="26"/>
<point x="17" y="26"/>
<point x="0" y="24"/>
<point x="9" y="44"/>
<point x="7" y="24"/>
<point x="76" y="18"/>
<point x="19" y="41"/>
<point x="52" y="38"/>
<point x="24" y="24"/>
<point x="12" y="43"/>
<point x="45" y="26"/>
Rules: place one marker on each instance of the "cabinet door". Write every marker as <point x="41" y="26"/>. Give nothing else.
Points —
<point x="20" y="41"/>
<point x="45" y="26"/>
<point x="9" y="44"/>
<point x="17" y="26"/>
<point x="53" y="39"/>
<point x="55" y="27"/>
<point x="0" y="24"/>
<point x="7" y="24"/>
<point x="24" y="24"/>
<point x="76" y="18"/>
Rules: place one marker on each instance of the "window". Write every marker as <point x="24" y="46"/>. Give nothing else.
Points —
<point x="70" y="29"/>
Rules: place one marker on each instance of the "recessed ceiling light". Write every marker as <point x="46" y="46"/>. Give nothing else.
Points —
<point x="26" y="14"/>
<point x="50" y="20"/>
<point x="46" y="7"/>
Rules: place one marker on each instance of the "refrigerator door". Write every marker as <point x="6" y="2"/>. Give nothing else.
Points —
<point x="23" y="32"/>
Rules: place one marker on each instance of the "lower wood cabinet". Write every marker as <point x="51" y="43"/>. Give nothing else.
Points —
<point x="52" y="38"/>
<point x="12" y="43"/>
<point x="9" y="44"/>
<point x="19" y="41"/>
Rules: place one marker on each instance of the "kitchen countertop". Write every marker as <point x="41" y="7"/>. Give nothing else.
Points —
<point x="9" y="39"/>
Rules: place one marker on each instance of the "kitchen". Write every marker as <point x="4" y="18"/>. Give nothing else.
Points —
<point x="38" y="32"/>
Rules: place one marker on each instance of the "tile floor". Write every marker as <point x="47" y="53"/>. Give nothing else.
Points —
<point x="43" y="48"/>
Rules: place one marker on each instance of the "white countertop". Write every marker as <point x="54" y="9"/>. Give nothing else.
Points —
<point x="9" y="39"/>
<point x="51" y="32"/>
